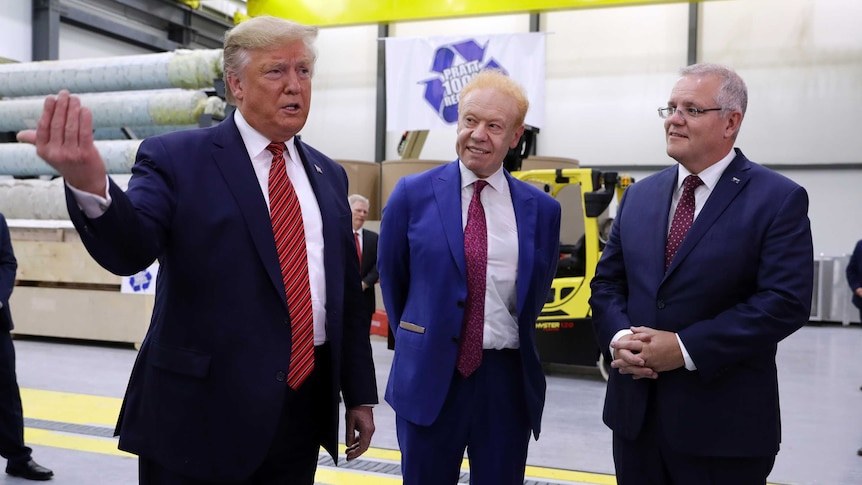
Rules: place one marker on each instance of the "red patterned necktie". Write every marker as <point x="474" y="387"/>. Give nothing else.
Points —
<point x="476" y="256"/>
<point x="289" y="233"/>
<point x="358" y="249"/>
<point x="683" y="217"/>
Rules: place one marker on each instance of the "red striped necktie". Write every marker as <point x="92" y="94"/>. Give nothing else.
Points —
<point x="289" y="233"/>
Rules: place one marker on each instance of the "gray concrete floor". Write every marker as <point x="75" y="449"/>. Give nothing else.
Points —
<point x="819" y="369"/>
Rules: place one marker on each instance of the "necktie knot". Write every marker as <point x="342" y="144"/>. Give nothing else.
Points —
<point x="691" y="182"/>
<point x="277" y="149"/>
<point x="478" y="186"/>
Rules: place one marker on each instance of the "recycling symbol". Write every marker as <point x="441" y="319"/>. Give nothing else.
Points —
<point x="454" y="66"/>
<point x="141" y="281"/>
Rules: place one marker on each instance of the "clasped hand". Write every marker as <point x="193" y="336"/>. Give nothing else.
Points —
<point x="646" y="352"/>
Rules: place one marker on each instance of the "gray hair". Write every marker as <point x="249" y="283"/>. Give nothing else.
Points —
<point x="732" y="95"/>
<point x="357" y="198"/>
<point x="260" y="33"/>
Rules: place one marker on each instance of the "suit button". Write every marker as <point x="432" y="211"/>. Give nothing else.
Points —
<point x="287" y="321"/>
<point x="280" y="375"/>
<point x="454" y="340"/>
<point x="660" y="304"/>
<point x="460" y="304"/>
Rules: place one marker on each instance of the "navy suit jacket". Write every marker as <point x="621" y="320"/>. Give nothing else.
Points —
<point x="854" y="273"/>
<point x="207" y="390"/>
<point x="8" y="267"/>
<point x="368" y="269"/>
<point x="423" y="280"/>
<point x="740" y="283"/>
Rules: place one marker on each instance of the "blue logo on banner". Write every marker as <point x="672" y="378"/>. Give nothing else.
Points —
<point x="455" y="65"/>
<point x="141" y="281"/>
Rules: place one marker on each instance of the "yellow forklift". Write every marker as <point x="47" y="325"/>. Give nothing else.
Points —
<point x="564" y="333"/>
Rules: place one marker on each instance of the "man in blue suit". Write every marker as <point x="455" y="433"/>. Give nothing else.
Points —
<point x="691" y="318"/>
<point x="18" y="456"/>
<point x="466" y="258"/>
<point x="214" y="396"/>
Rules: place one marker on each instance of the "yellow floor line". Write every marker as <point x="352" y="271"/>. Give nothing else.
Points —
<point x="91" y="444"/>
<point x="70" y="408"/>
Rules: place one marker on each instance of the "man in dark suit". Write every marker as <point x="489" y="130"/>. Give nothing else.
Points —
<point x="854" y="279"/>
<point x="366" y="247"/>
<point x="227" y="387"/>
<point x="691" y="318"/>
<point x="467" y="254"/>
<point x="20" y="463"/>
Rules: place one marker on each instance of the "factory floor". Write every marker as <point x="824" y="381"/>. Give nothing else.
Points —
<point x="72" y="390"/>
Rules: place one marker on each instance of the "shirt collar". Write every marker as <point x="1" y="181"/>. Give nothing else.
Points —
<point x="255" y="142"/>
<point x="709" y="175"/>
<point x="496" y="180"/>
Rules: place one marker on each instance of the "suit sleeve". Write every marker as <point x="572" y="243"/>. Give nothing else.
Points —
<point x="779" y="305"/>
<point x="131" y="233"/>
<point x="8" y="263"/>
<point x="854" y="275"/>
<point x="393" y="254"/>
<point x="373" y="274"/>
<point x="609" y="288"/>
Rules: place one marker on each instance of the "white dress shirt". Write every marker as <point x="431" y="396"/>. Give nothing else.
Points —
<point x="501" y="297"/>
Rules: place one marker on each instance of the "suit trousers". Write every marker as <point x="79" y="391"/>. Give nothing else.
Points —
<point x="485" y="413"/>
<point x="650" y="460"/>
<point x="292" y="457"/>
<point x="11" y="415"/>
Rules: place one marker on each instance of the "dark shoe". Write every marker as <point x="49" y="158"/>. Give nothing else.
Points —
<point x="29" y="470"/>
<point x="859" y="452"/>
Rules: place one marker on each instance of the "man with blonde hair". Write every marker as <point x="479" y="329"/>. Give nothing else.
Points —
<point x="467" y="254"/>
<point x="258" y="321"/>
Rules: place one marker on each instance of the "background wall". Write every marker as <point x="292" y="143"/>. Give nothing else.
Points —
<point x="607" y="71"/>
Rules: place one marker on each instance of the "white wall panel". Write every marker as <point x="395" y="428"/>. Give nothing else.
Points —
<point x="608" y="70"/>
<point x="802" y="61"/>
<point x="16" y="30"/>
<point x="343" y="102"/>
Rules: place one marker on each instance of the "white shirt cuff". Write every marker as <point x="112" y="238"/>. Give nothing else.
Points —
<point x="689" y="364"/>
<point x="92" y="205"/>
<point x="622" y="333"/>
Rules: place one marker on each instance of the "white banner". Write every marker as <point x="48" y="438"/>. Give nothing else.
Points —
<point x="424" y="75"/>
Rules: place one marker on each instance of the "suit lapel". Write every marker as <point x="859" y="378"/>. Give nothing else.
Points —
<point x="232" y="160"/>
<point x="731" y="183"/>
<point x="526" y="213"/>
<point x="447" y="192"/>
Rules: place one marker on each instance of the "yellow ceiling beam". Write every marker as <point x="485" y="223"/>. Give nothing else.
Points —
<point x="346" y="12"/>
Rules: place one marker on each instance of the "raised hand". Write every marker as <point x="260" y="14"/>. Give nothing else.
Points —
<point x="64" y="139"/>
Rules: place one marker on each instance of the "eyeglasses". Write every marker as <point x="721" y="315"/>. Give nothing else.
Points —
<point x="689" y="112"/>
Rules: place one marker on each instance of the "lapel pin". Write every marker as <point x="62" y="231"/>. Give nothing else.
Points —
<point x="317" y="168"/>
<point x="735" y="180"/>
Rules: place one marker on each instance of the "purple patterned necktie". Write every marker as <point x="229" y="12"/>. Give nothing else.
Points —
<point x="683" y="217"/>
<point x="476" y="256"/>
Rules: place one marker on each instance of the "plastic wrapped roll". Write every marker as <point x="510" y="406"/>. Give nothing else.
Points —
<point x="164" y="107"/>
<point x="20" y="159"/>
<point x="38" y="199"/>
<point x="187" y="69"/>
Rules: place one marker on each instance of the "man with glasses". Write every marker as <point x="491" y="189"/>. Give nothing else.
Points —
<point x="708" y="266"/>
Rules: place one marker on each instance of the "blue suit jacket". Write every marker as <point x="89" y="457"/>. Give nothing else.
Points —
<point x="854" y="273"/>
<point x="740" y="283"/>
<point x="8" y="267"/>
<point x="423" y="279"/>
<point x="207" y="390"/>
